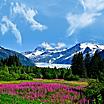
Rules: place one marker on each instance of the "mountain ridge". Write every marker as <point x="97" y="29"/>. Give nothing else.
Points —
<point x="5" y="53"/>
<point x="63" y="55"/>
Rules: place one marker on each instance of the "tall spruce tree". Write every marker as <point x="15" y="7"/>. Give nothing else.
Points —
<point x="96" y="65"/>
<point x="87" y="63"/>
<point x="74" y="64"/>
<point x="77" y="65"/>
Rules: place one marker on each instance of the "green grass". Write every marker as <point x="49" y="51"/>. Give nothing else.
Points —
<point x="9" y="99"/>
<point x="71" y="83"/>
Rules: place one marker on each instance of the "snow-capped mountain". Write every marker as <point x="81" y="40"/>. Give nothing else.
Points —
<point x="44" y="49"/>
<point x="63" y="55"/>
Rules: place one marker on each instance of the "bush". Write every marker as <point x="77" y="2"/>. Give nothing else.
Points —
<point x="15" y="75"/>
<point x="5" y="76"/>
<point x="72" y="78"/>
<point x="35" y="75"/>
<point x="48" y="76"/>
<point x="48" y="73"/>
<point x="25" y="77"/>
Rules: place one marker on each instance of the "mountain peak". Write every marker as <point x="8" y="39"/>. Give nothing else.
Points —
<point x="91" y="45"/>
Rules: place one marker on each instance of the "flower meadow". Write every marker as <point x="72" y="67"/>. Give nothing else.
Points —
<point x="45" y="93"/>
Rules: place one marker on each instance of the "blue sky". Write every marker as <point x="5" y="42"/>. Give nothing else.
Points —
<point x="24" y="24"/>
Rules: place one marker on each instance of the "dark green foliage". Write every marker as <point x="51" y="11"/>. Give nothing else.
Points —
<point x="10" y="61"/>
<point x="95" y="90"/>
<point x="25" y="77"/>
<point x="92" y="67"/>
<point x="78" y="65"/>
<point x="88" y="67"/>
<point x="5" y="76"/>
<point x="101" y="77"/>
<point x="29" y="73"/>
<point x="72" y="78"/>
<point x="16" y="76"/>
<point x="87" y="61"/>
<point x="95" y="66"/>
<point x="50" y="73"/>
<point x="32" y="75"/>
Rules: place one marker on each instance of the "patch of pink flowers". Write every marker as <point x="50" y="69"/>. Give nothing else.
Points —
<point x="45" y="92"/>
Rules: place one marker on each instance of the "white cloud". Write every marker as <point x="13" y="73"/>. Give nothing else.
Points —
<point x="93" y="5"/>
<point x="51" y="46"/>
<point x="60" y="45"/>
<point x="92" y="9"/>
<point x="46" y="45"/>
<point x="4" y="28"/>
<point x="7" y="25"/>
<point x="28" y="14"/>
<point x="80" y="21"/>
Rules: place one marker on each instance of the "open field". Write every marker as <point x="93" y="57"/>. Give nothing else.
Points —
<point x="42" y="91"/>
<point x="10" y="99"/>
<point x="71" y="83"/>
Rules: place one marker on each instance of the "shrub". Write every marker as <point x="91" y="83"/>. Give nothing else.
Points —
<point x="15" y="75"/>
<point x="25" y="77"/>
<point x="5" y="76"/>
<point x="35" y="75"/>
<point x="72" y="78"/>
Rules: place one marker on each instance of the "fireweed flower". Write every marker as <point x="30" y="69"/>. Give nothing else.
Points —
<point x="44" y="92"/>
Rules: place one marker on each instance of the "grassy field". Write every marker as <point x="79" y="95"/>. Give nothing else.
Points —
<point x="9" y="99"/>
<point x="61" y="81"/>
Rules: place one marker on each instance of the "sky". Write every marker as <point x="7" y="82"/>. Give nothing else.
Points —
<point x="25" y="24"/>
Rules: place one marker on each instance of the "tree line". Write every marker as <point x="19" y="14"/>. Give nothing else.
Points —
<point x="82" y="67"/>
<point x="88" y="66"/>
<point x="12" y="60"/>
<point x="12" y="69"/>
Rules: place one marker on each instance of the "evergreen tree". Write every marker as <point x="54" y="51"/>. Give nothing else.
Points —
<point x="96" y="65"/>
<point x="77" y="65"/>
<point x="74" y="64"/>
<point x="87" y="63"/>
<point x="10" y="61"/>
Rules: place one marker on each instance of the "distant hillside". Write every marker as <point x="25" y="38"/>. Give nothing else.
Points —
<point x="5" y="53"/>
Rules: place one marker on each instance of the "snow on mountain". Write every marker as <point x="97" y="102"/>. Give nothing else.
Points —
<point x="32" y="54"/>
<point x="44" y="49"/>
<point x="46" y="53"/>
<point x="91" y="47"/>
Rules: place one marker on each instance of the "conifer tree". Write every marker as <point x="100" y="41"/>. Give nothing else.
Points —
<point x="96" y="66"/>
<point x="77" y="65"/>
<point x="87" y="63"/>
<point x="10" y="61"/>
